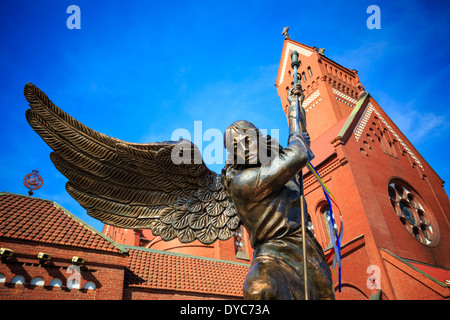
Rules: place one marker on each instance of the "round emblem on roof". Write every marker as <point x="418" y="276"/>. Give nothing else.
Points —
<point x="33" y="181"/>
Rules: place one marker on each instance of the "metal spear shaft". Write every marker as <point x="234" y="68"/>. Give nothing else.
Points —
<point x="295" y="64"/>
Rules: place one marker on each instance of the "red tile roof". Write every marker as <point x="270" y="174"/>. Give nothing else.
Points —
<point x="27" y="218"/>
<point x="322" y="147"/>
<point x="438" y="273"/>
<point x="154" y="269"/>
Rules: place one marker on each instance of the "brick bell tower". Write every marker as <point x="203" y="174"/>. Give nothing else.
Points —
<point x="331" y="90"/>
<point x="395" y="211"/>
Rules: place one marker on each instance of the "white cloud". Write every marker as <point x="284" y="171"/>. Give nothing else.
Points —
<point x="417" y="125"/>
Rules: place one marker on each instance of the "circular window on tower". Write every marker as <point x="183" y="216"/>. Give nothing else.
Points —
<point x="413" y="213"/>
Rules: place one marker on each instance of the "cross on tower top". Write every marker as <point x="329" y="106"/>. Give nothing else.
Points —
<point x="285" y="32"/>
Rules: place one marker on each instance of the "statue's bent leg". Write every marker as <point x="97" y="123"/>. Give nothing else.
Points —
<point x="270" y="279"/>
<point x="320" y="278"/>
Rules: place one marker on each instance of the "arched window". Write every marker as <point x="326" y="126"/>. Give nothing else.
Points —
<point x="310" y="71"/>
<point x="37" y="281"/>
<point x="239" y="244"/>
<point x="18" y="280"/>
<point x="89" y="285"/>
<point x="327" y="218"/>
<point x="57" y="283"/>
<point x="304" y="76"/>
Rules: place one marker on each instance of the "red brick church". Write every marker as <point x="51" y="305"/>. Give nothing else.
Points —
<point x="395" y="212"/>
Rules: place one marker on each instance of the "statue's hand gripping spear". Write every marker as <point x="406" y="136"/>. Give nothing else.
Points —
<point x="297" y="115"/>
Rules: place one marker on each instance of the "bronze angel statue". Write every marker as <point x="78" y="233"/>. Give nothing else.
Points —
<point x="132" y="185"/>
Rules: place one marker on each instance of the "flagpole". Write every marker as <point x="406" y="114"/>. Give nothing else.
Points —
<point x="295" y="64"/>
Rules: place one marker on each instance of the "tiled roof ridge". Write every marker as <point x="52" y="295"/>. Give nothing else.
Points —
<point x="426" y="264"/>
<point x="351" y="117"/>
<point x="410" y="263"/>
<point x="183" y="255"/>
<point x="71" y="216"/>
<point x="4" y="193"/>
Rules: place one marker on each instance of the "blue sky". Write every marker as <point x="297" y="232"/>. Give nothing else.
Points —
<point x="138" y="70"/>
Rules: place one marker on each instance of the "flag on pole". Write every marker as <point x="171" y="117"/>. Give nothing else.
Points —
<point x="336" y="238"/>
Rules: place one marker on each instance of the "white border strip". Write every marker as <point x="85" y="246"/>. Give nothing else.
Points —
<point x="290" y="47"/>
<point x="360" y="128"/>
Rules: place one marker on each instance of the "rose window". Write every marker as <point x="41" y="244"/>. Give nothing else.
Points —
<point x="413" y="213"/>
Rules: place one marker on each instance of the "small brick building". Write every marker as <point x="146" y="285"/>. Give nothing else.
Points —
<point x="30" y="226"/>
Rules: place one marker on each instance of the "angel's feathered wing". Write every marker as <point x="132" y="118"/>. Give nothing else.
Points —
<point x="131" y="185"/>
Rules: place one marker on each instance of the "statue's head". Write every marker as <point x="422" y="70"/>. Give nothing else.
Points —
<point x="247" y="146"/>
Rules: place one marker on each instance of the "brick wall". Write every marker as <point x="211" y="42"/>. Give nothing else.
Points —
<point x="372" y="174"/>
<point x="411" y="284"/>
<point x="359" y="181"/>
<point x="148" y="294"/>
<point x="105" y="270"/>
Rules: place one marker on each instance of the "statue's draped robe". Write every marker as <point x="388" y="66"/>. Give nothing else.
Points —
<point x="267" y="199"/>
